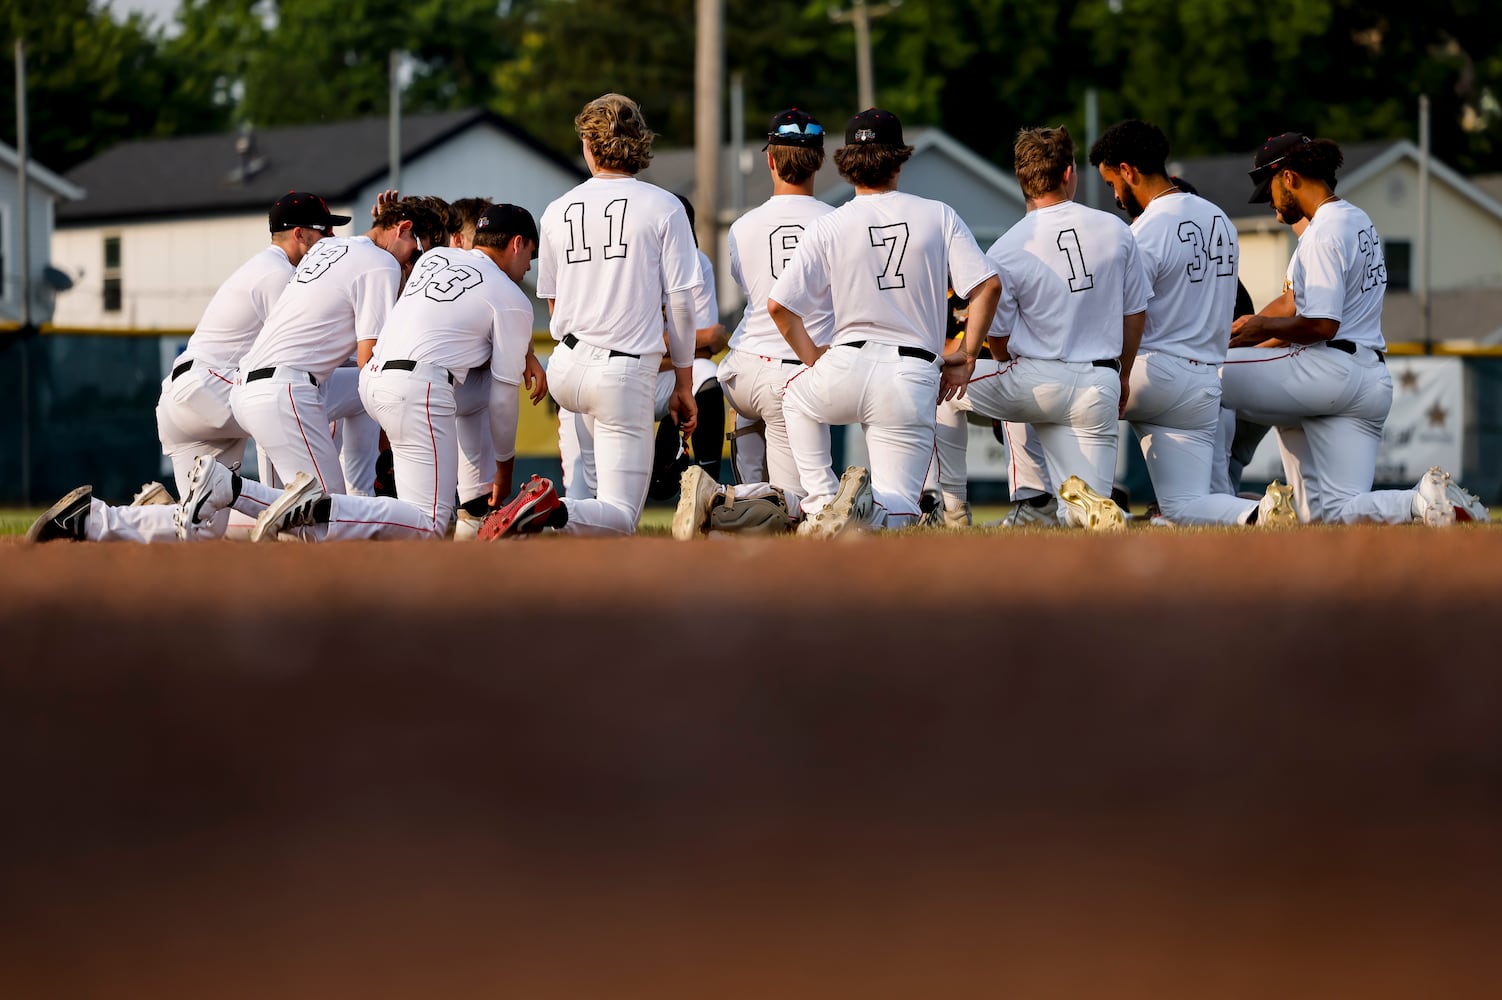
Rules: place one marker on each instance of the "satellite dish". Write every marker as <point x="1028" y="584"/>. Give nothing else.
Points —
<point x="55" y="279"/>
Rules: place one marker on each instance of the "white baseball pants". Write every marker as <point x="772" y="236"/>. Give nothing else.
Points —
<point x="416" y="409"/>
<point x="1070" y="407"/>
<point x="1174" y="407"/>
<point x="1328" y="408"/>
<point x="611" y="394"/>
<point x="892" y="397"/>
<point x="754" y="386"/>
<point x="576" y="450"/>
<point x="356" y="434"/>
<point x="476" y="449"/>
<point x="286" y="416"/>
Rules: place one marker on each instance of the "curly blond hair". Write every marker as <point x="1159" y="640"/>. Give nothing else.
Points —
<point x="616" y="133"/>
<point x="1043" y="155"/>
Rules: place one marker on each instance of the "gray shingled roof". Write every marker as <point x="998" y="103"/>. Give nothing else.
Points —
<point x="192" y="175"/>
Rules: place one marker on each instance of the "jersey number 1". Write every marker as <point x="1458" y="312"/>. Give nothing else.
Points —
<point x="579" y="249"/>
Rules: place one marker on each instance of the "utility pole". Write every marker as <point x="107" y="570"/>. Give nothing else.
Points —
<point x="860" y="15"/>
<point x="709" y="68"/>
<point x="394" y="127"/>
<point x="1421" y="265"/>
<point x="23" y="225"/>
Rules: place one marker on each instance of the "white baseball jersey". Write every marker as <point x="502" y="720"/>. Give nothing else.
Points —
<point x="239" y="309"/>
<point x="761" y="243"/>
<point x="1190" y="251"/>
<point x="1069" y="274"/>
<point x="884" y="261"/>
<point x="1339" y="273"/>
<point x="611" y="250"/>
<point x="458" y="311"/>
<point x="341" y="293"/>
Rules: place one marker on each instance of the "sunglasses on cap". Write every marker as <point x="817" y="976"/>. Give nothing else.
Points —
<point x="793" y="128"/>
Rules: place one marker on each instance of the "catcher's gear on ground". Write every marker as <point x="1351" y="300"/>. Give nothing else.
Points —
<point x="756" y="516"/>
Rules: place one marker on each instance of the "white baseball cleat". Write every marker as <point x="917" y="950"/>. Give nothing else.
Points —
<point x="696" y="493"/>
<point x="211" y="488"/>
<point x="293" y="509"/>
<point x="1276" y="509"/>
<point x="466" y="526"/>
<point x="152" y="493"/>
<point x="1431" y="499"/>
<point x="1085" y="508"/>
<point x="850" y="510"/>
<point x="1468" y="507"/>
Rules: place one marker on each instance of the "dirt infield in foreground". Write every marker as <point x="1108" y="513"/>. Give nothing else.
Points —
<point x="1156" y="765"/>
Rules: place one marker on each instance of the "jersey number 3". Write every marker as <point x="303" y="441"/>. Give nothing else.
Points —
<point x="579" y="249"/>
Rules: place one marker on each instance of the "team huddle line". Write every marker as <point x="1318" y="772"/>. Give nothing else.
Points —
<point x="418" y="332"/>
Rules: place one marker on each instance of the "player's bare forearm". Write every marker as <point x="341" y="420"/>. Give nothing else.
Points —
<point x="535" y="378"/>
<point x="957" y="370"/>
<point x="681" y="405"/>
<point x="790" y="325"/>
<point x="710" y="340"/>
<point x="363" y="351"/>
<point x="1000" y="347"/>
<point x="983" y="300"/>
<point x="1249" y="331"/>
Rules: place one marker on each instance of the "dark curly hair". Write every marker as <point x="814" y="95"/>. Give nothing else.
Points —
<point x="429" y="217"/>
<point x="1136" y="143"/>
<point x="1317" y="159"/>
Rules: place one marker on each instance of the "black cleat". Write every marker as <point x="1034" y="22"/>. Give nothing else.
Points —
<point x="64" y="520"/>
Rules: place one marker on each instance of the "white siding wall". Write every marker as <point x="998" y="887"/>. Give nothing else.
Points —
<point x="169" y="269"/>
<point x="1264" y="261"/>
<point x="1465" y="241"/>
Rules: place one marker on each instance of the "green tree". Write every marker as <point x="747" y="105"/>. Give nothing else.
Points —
<point x="93" y="81"/>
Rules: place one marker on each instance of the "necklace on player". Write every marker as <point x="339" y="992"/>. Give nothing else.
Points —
<point x="1325" y="202"/>
<point x="1171" y="187"/>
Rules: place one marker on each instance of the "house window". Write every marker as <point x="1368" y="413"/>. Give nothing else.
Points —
<point x="1398" y="255"/>
<point x="112" y="291"/>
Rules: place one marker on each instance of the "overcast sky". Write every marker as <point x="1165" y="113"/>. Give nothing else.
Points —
<point x="160" y="11"/>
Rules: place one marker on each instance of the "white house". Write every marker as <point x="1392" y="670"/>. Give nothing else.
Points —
<point x="44" y="190"/>
<point x="165" y="221"/>
<point x="1465" y="237"/>
<point x="985" y="196"/>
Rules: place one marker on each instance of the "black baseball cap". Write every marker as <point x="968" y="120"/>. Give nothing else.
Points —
<point x="509" y="220"/>
<point x="300" y="208"/>
<point x="795" y="128"/>
<point x="1272" y="153"/>
<point x="875" y="126"/>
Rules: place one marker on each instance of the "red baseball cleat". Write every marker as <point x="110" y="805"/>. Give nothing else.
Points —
<point x="526" y="514"/>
